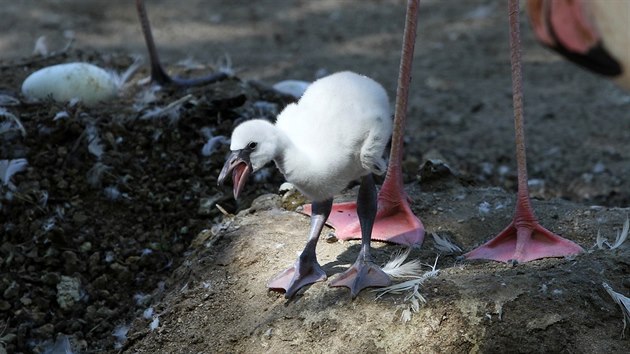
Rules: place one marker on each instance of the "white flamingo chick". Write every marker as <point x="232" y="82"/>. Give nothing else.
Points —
<point x="334" y="134"/>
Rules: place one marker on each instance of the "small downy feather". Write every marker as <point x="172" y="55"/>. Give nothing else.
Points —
<point x="120" y="333"/>
<point x="444" y="245"/>
<point x="213" y="144"/>
<point x="95" y="147"/>
<point x="10" y="167"/>
<point x="172" y="110"/>
<point x="624" y="304"/>
<point x="619" y="240"/>
<point x="13" y="123"/>
<point x="414" y="298"/>
<point x="396" y="268"/>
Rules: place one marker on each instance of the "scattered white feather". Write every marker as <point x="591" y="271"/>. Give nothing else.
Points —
<point x="60" y="346"/>
<point x="157" y="133"/>
<point x="95" y="174"/>
<point x="397" y="268"/>
<point x="295" y="88"/>
<point x="146" y="97"/>
<point x="61" y="115"/>
<point x="213" y="144"/>
<point x="60" y="212"/>
<point x="224" y="65"/>
<point x="123" y="78"/>
<point x="12" y="124"/>
<point x="49" y="224"/>
<point x="444" y="246"/>
<point x="120" y="333"/>
<point x="190" y="64"/>
<point x="141" y="298"/>
<point x="155" y="323"/>
<point x="148" y="313"/>
<point x="95" y="147"/>
<point x="484" y="208"/>
<point x="73" y="102"/>
<point x="8" y="100"/>
<point x="413" y="298"/>
<point x="624" y="304"/>
<point x="41" y="46"/>
<point x="10" y="167"/>
<point x="112" y="193"/>
<point x="172" y="110"/>
<point x="43" y="199"/>
<point x="622" y="236"/>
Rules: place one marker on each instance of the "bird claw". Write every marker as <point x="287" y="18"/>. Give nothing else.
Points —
<point x="363" y="274"/>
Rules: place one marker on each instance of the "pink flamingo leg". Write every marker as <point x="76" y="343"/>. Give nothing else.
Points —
<point x="524" y="239"/>
<point x="395" y="222"/>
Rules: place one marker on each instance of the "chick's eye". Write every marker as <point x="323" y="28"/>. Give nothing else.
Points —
<point x="252" y="145"/>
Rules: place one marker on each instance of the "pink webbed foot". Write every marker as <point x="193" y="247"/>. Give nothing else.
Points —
<point x="363" y="274"/>
<point x="395" y="222"/>
<point x="519" y="244"/>
<point x="294" y="278"/>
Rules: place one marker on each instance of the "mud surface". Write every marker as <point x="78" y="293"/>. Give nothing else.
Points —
<point x="113" y="227"/>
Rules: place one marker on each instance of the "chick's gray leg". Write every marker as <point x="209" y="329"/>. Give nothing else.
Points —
<point x="364" y="273"/>
<point x="306" y="269"/>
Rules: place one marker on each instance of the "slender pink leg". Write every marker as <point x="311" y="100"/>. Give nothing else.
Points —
<point x="395" y="222"/>
<point x="524" y="239"/>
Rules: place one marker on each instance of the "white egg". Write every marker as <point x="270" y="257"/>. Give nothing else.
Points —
<point x="63" y="82"/>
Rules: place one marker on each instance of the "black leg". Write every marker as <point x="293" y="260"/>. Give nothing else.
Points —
<point x="364" y="273"/>
<point x="366" y="211"/>
<point x="157" y="71"/>
<point x="306" y="269"/>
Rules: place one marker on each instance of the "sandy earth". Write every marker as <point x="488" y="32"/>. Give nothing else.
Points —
<point x="163" y="245"/>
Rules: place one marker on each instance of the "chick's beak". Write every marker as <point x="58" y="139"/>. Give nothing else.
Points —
<point x="239" y="164"/>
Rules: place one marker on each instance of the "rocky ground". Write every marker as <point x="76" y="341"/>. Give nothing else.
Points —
<point x="111" y="239"/>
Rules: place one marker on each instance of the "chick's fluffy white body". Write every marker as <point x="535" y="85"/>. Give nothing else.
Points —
<point x="334" y="134"/>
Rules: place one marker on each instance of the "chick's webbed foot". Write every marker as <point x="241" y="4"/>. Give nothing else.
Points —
<point x="294" y="278"/>
<point x="306" y="269"/>
<point x="363" y="274"/>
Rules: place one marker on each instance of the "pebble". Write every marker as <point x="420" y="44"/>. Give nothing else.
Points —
<point x="12" y="291"/>
<point x="79" y="218"/>
<point x="85" y="247"/>
<point x="4" y="305"/>
<point x="45" y="331"/>
<point x="68" y="292"/>
<point x="50" y="279"/>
